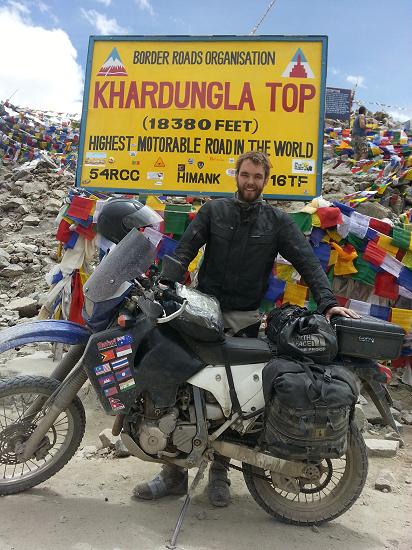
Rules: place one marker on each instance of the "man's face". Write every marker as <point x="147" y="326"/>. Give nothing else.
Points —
<point x="250" y="180"/>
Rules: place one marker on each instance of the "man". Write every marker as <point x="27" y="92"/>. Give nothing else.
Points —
<point x="359" y="140"/>
<point x="243" y="235"/>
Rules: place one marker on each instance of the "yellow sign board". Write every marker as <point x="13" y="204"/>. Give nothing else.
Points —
<point x="170" y="115"/>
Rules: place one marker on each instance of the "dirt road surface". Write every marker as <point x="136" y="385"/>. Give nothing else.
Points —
<point x="87" y="506"/>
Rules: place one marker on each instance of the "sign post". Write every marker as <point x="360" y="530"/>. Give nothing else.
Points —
<point x="169" y="115"/>
<point x="338" y="104"/>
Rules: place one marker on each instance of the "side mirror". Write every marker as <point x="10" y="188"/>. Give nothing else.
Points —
<point x="172" y="269"/>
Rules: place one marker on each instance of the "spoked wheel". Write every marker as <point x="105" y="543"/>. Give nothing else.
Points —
<point x="17" y="424"/>
<point x="327" y="490"/>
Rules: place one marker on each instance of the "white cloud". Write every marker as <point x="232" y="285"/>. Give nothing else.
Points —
<point x="356" y="80"/>
<point x="41" y="65"/>
<point x="145" y="5"/>
<point x="334" y="71"/>
<point x="105" y="2"/>
<point x="101" y="23"/>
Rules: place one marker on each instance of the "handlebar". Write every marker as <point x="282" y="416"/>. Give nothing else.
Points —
<point x="172" y="316"/>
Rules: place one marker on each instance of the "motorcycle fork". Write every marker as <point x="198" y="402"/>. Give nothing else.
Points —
<point x="380" y="396"/>
<point x="62" y="369"/>
<point x="58" y="402"/>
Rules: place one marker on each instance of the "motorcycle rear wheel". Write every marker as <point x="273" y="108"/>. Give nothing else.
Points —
<point x="339" y="488"/>
<point x="64" y="437"/>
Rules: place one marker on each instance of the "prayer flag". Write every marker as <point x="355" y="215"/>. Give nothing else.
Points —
<point x="295" y="294"/>
<point x="403" y="318"/>
<point x="329" y="216"/>
<point x="386" y="286"/>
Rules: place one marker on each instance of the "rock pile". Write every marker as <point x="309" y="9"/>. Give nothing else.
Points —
<point x="30" y="198"/>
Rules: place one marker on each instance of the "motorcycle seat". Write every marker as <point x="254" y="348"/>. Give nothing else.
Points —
<point x="232" y="350"/>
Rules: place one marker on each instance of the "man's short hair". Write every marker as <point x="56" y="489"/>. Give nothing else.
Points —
<point x="257" y="157"/>
<point x="362" y="110"/>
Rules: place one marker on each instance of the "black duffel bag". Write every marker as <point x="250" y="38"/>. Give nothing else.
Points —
<point x="297" y="332"/>
<point x="308" y="408"/>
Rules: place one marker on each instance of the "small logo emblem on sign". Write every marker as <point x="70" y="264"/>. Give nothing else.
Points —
<point x="113" y="65"/>
<point x="200" y="164"/>
<point x="303" y="166"/>
<point x="159" y="163"/>
<point x="298" y="67"/>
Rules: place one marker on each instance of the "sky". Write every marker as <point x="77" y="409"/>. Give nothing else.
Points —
<point x="44" y="43"/>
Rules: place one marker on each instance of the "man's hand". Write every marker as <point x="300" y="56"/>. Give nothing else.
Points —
<point x="344" y="311"/>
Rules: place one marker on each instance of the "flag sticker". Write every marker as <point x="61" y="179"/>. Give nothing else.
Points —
<point x="115" y="403"/>
<point x="127" y="384"/>
<point x="108" y="379"/>
<point x="108" y="355"/>
<point x="110" y="391"/>
<point x="123" y="350"/>
<point x="107" y="344"/>
<point x="120" y="363"/>
<point x="124" y="340"/>
<point x="123" y="374"/>
<point x="102" y="369"/>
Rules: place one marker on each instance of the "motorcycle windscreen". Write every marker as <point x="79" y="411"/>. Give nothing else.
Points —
<point x="129" y="259"/>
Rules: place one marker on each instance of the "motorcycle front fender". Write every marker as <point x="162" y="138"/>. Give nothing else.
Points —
<point x="64" y="332"/>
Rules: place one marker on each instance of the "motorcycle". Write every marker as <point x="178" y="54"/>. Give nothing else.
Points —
<point x="175" y="398"/>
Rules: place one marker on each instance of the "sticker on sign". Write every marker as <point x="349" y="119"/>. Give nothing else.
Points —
<point x="303" y="166"/>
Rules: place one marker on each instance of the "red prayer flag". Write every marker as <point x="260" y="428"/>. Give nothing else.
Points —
<point x="86" y="232"/>
<point x="374" y="254"/>
<point x="329" y="216"/>
<point x="77" y="299"/>
<point x="342" y="301"/>
<point x="386" y="286"/>
<point x="63" y="232"/>
<point x="379" y="225"/>
<point x="80" y="208"/>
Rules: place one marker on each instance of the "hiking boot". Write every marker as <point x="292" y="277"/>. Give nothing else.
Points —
<point x="219" y="483"/>
<point x="171" y="480"/>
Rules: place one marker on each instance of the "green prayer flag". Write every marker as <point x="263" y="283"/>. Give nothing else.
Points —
<point x="302" y="220"/>
<point x="312" y="306"/>
<point x="366" y="274"/>
<point x="266" y="306"/>
<point x="401" y="237"/>
<point x="356" y="242"/>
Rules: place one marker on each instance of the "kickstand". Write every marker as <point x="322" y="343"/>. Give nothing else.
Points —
<point x="198" y="477"/>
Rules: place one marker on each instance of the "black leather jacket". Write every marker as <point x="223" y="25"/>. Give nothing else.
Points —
<point x="241" y="245"/>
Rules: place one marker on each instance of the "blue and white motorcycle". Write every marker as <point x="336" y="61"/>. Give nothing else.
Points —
<point x="178" y="394"/>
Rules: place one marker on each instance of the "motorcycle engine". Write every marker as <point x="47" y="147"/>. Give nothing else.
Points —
<point x="154" y="434"/>
<point x="167" y="433"/>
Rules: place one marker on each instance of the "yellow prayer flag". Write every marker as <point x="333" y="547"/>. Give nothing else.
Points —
<point x="155" y="203"/>
<point x="315" y="220"/>
<point x="333" y="257"/>
<point x="334" y="235"/>
<point x="344" y="267"/>
<point x="407" y="259"/>
<point x="284" y="272"/>
<point x="295" y="294"/>
<point x="385" y="242"/>
<point x="402" y="317"/>
<point x="195" y="262"/>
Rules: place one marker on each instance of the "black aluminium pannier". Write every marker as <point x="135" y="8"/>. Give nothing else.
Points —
<point x="368" y="337"/>
<point x="308" y="408"/>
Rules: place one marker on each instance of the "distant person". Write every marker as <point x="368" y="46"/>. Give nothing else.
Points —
<point x="359" y="140"/>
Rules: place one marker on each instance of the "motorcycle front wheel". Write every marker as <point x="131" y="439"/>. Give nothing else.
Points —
<point x="16" y="425"/>
<point x="321" y="499"/>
